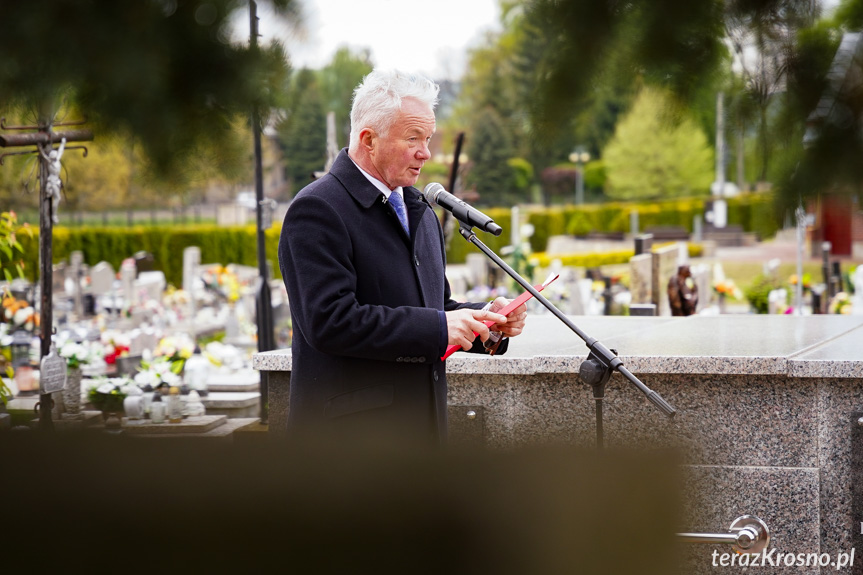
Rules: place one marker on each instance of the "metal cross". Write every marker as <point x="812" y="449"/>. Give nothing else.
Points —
<point x="43" y="140"/>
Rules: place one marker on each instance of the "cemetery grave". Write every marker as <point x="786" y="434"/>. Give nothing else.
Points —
<point x="125" y="337"/>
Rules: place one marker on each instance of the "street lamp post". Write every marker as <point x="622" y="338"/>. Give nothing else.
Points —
<point x="579" y="157"/>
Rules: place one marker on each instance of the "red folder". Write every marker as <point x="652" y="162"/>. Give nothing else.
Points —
<point x="505" y="311"/>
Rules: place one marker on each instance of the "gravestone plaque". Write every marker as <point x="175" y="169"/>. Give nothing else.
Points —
<point x="52" y="372"/>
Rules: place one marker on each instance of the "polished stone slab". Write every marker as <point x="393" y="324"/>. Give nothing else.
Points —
<point x="840" y="357"/>
<point x="243" y="380"/>
<point x="224" y="432"/>
<point x="727" y="344"/>
<point x="231" y="399"/>
<point x="197" y="424"/>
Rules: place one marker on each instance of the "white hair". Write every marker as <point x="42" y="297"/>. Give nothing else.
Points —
<point x="379" y="96"/>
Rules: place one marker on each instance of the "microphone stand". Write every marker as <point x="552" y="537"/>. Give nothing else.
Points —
<point x="601" y="362"/>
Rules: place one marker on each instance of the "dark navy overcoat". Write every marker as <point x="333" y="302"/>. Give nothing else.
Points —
<point x="365" y="300"/>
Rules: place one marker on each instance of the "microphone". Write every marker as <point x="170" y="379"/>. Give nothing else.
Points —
<point x="463" y="212"/>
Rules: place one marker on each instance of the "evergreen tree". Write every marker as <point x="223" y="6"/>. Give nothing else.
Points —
<point x="488" y="149"/>
<point x="164" y="73"/>
<point x="337" y="83"/>
<point x="656" y="153"/>
<point x="303" y="134"/>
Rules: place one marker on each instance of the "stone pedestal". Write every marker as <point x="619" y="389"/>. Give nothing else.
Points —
<point x="766" y="409"/>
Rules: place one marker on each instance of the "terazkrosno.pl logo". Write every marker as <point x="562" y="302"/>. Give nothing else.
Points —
<point x="774" y="558"/>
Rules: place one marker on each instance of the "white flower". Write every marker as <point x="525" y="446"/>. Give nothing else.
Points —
<point x="180" y="345"/>
<point x="74" y="349"/>
<point x="143" y="378"/>
<point x="22" y="315"/>
<point x="172" y="379"/>
<point x="115" y="337"/>
<point x="106" y="387"/>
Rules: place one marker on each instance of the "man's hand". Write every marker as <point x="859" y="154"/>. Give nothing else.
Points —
<point x="461" y="325"/>
<point x="514" y="321"/>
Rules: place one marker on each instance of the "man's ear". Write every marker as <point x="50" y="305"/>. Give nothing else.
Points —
<point x="368" y="139"/>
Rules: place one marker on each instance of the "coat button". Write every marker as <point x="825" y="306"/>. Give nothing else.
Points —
<point x="416" y="260"/>
<point x="435" y="376"/>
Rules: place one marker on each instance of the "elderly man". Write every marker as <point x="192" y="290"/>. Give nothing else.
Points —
<point x="362" y="256"/>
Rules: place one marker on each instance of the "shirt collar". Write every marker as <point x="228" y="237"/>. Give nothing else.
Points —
<point x="379" y="184"/>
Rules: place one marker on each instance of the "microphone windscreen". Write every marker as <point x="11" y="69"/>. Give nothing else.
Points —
<point x="432" y="190"/>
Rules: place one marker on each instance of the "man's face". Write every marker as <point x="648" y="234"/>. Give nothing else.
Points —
<point x="399" y="157"/>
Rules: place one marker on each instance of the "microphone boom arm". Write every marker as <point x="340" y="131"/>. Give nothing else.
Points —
<point x="606" y="359"/>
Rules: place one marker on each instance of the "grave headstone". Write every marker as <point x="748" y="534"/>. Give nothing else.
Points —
<point x="664" y="267"/>
<point x="585" y="295"/>
<point x="478" y="269"/>
<point x="819" y="299"/>
<point x="102" y="279"/>
<point x="88" y="305"/>
<point x="836" y="276"/>
<point x="144" y="262"/>
<point x="150" y="284"/>
<point x="643" y="244"/>
<point x="76" y="261"/>
<point x="58" y="286"/>
<point x="128" y="272"/>
<point x="191" y="262"/>
<point x="641" y="278"/>
<point x="136" y="342"/>
<point x="642" y="309"/>
<point x="701" y="277"/>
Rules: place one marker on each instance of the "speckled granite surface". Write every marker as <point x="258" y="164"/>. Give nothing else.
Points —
<point x="812" y="346"/>
<point x="786" y="499"/>
<point x="764" y="406"/>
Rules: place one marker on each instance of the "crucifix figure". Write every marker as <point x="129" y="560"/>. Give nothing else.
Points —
<point x="53" y="184"/>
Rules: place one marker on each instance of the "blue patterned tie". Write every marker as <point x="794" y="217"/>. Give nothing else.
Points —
<point x="398" y="204"/>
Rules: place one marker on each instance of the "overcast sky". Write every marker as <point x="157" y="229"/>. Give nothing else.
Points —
<point x="428" y="37"/>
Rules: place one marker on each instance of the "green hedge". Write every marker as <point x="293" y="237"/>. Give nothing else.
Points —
<point x="166" y="243"/>
<point x="754" y="212"/>
<point x="595" y="260"/>
<point x="459" y="247"/>
<point x="218" y="245"/>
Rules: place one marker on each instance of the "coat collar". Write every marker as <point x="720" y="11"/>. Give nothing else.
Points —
<point x="361" y="189"/>
<point x="357" y="185"/>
